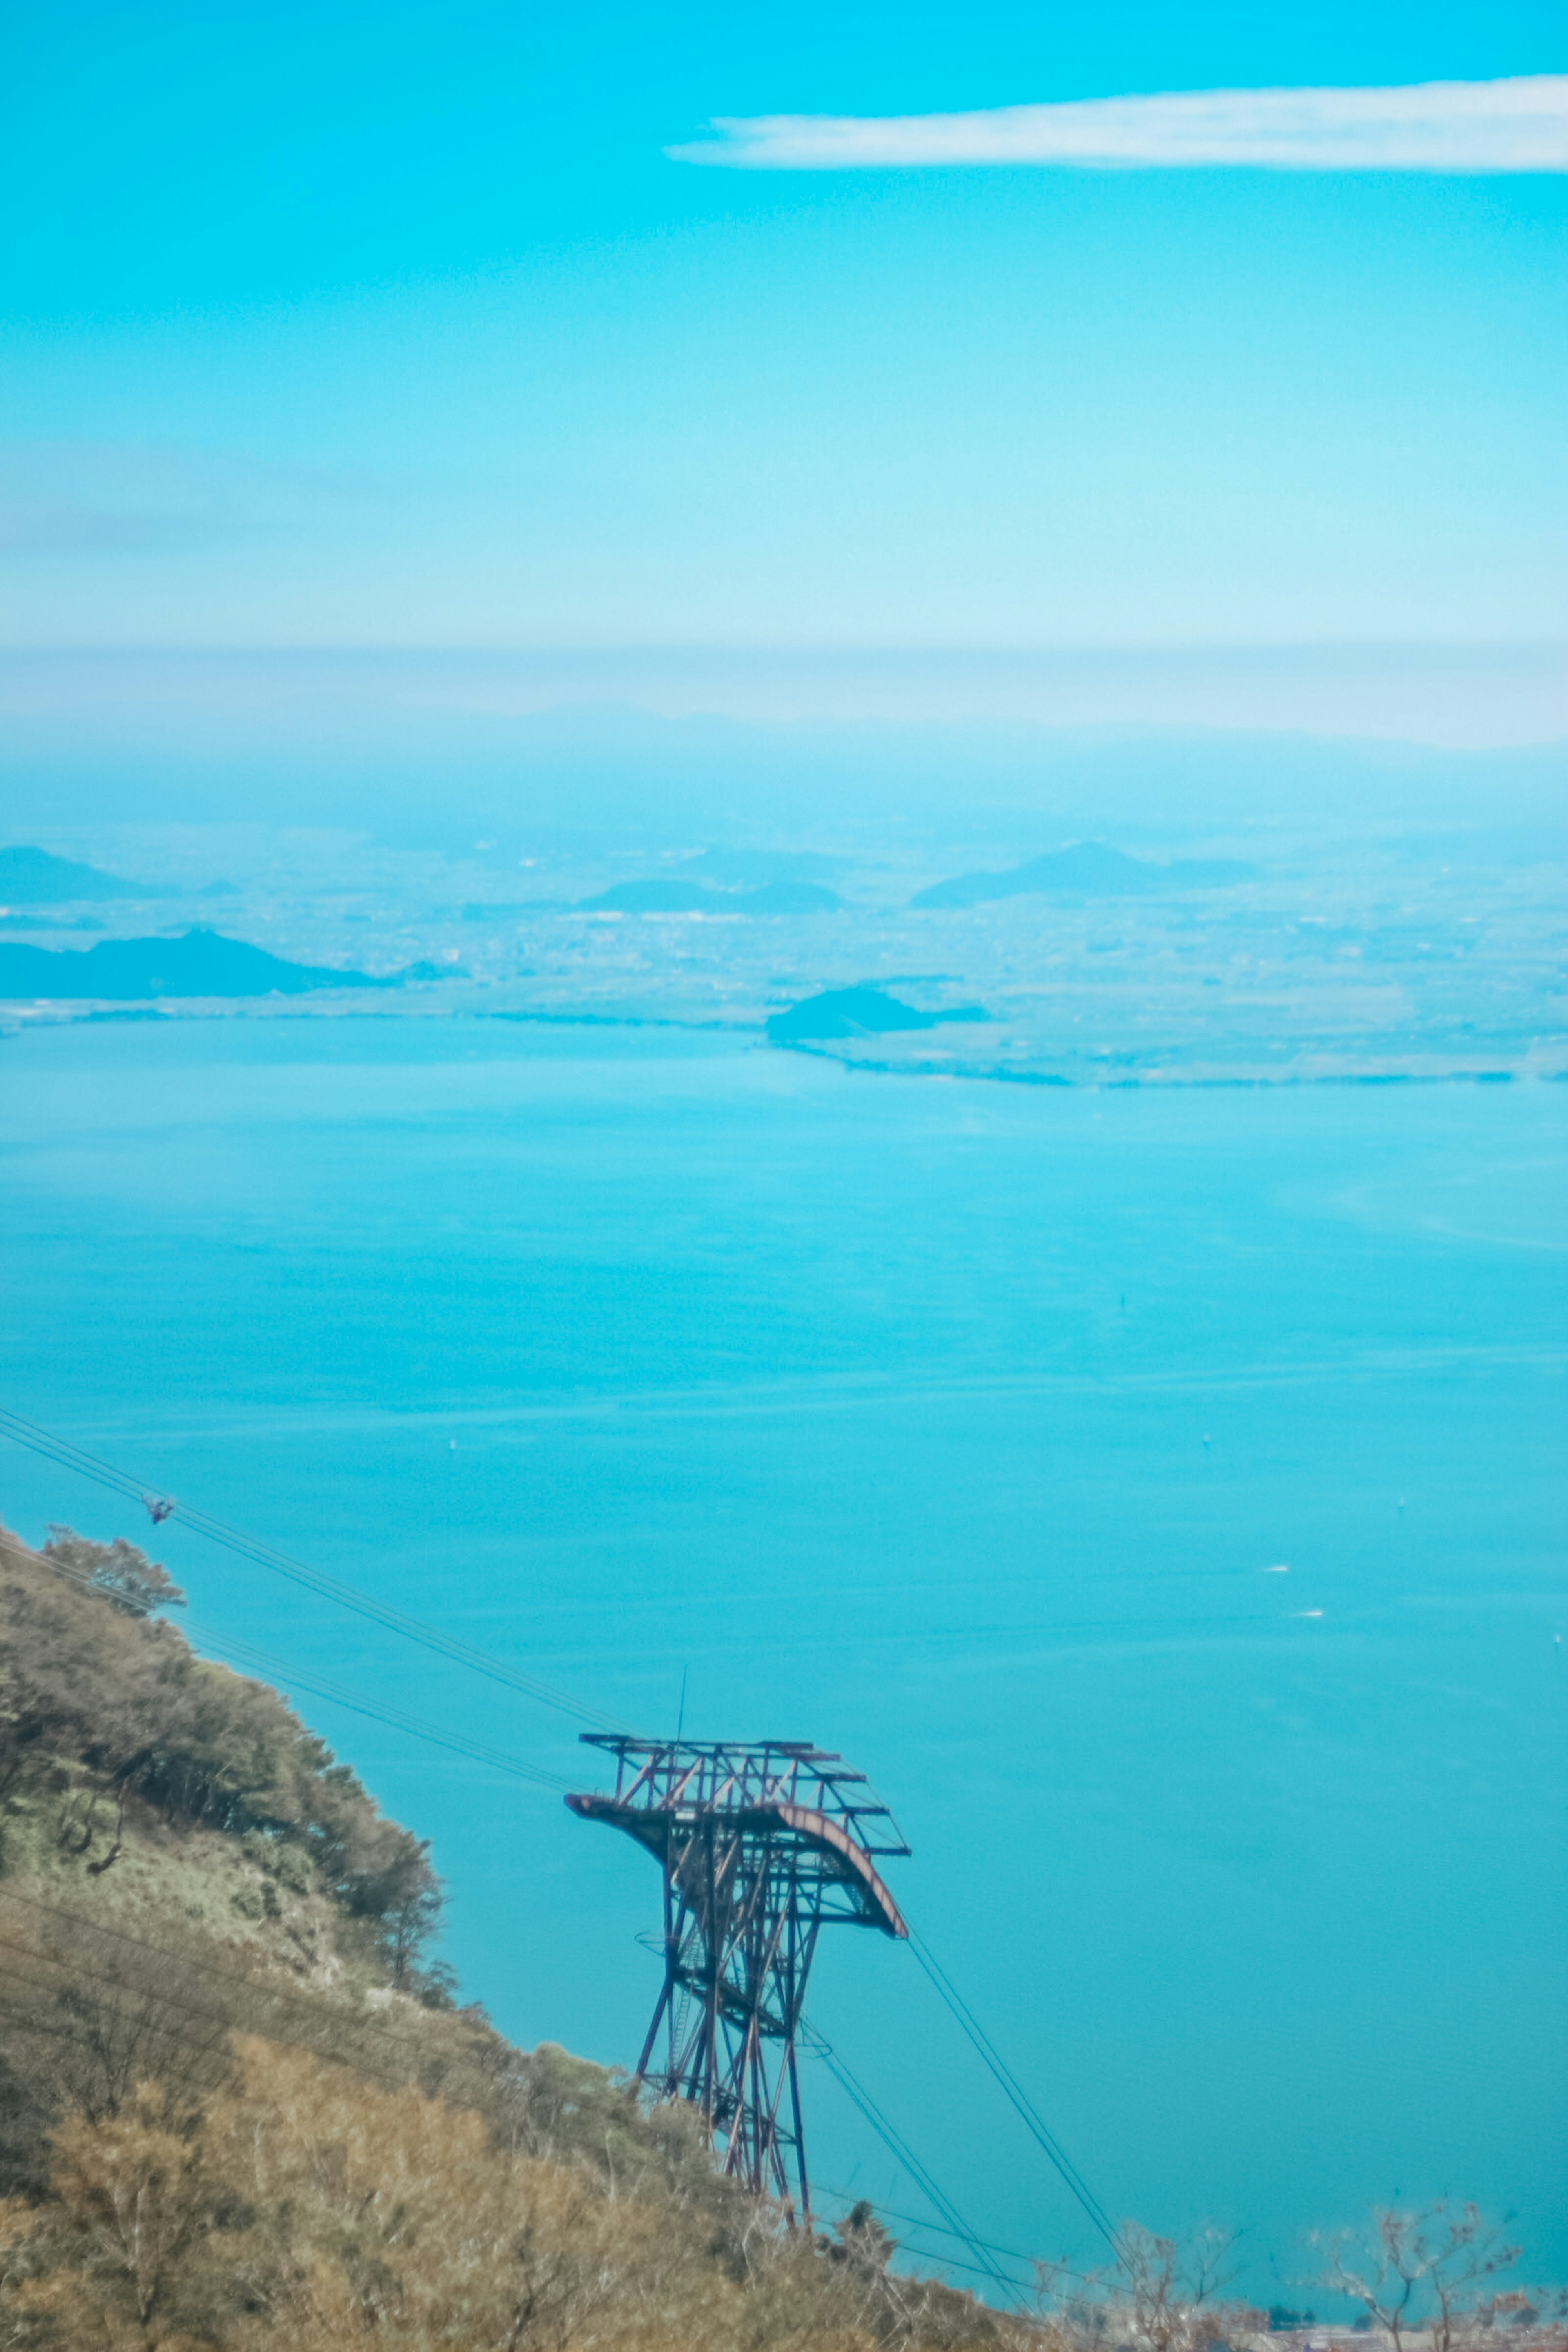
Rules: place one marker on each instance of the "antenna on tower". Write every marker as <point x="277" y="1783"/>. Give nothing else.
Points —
<point x="761" y="1844"/>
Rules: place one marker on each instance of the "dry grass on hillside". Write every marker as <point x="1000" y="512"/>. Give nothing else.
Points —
<point x="236" y="2109"/>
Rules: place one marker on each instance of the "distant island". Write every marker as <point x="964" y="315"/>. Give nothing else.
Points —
<point x="1086" y="870"/>
<point x="857" y="1012"/>
<point x="34" y="878"/>
<point x="200" y="963"/>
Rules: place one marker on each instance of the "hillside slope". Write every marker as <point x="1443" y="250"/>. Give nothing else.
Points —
<point x="239" y="2106"/>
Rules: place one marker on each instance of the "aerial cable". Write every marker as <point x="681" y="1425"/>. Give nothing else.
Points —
<point x="894" y="2141"/>
<point x="897" y="2146"/>
<point x="477" y="1750"/>
<point x="1018" y="2097"/>
<point x="161" y="1506"/>
<point x="33" y="2027"/>
<point x="917" y="2222"/>
<point x="851" y="2198"/>
<point x="227" y="1645"/>
<point x="339" y="2020"/>
<point x="186" y="2007"/>
<point x="25" y="2022"/>
<point x="336" y="2023"/>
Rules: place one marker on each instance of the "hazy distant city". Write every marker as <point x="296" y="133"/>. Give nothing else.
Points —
<point x="1240" y="956"/>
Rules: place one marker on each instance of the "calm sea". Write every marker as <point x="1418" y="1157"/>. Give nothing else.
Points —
<point x="1160" y="1495"/>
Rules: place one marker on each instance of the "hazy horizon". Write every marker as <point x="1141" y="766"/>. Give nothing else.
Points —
<point x="825" y="763"/>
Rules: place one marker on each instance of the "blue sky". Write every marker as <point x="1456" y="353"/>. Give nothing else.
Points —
<point x="345" y="326"/>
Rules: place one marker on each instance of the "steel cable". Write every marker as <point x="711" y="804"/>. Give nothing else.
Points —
<point x="62" y="1451"/>
<point x="397" y="1718"/>
<point x="185" y="2006"/>
<point x="1018" y="2097"/>
<point x="75" y="1458"/>
<point x="894" y="2141"/>
<point x="337" y="2019"/>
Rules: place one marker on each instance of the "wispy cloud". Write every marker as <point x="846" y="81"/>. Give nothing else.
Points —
<point x="1518" y="125"/>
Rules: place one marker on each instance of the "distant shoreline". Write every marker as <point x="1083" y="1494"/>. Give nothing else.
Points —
<point x="19" y="1016"/>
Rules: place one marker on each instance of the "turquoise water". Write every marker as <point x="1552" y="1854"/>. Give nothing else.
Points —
<point x="957" y="1427"/>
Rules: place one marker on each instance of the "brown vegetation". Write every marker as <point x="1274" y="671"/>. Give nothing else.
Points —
<point x="238" y="2110"/>
<point x="302" y="2206"/>
<point x="104" y="1705"/>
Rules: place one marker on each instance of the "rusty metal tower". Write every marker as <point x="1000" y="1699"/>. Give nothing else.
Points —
<point x="762" y="1845"/>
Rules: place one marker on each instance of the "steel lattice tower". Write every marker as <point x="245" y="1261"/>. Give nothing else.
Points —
<point x="762" y="1845"/>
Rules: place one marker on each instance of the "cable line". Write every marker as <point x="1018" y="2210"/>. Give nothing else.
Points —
<point x="339" y="2020"/>
<point x="163" y="1505"/>
<point x="478" y="1750"/>
<point x="916" y="2221"/>
<point x="894" y="2141"/>
<point x="1019" y="2098"/>
<point x="303" y="1679"/>
<point x="850" y="2198"/>
<point x="25" y="2022"/>
<point x="186" y="2007"/>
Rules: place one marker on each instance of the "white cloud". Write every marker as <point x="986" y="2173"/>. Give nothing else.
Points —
<point x="1519" y="125"/>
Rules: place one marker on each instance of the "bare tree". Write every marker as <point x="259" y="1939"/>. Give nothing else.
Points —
<point x="1424" y="2271"/>
<point x="1162" y="2296"/>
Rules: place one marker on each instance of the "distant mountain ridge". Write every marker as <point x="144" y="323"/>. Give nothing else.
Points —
<point x="199" y="964"/>
<point x="35" y="877"/>
<point x="1086" y="870"/>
